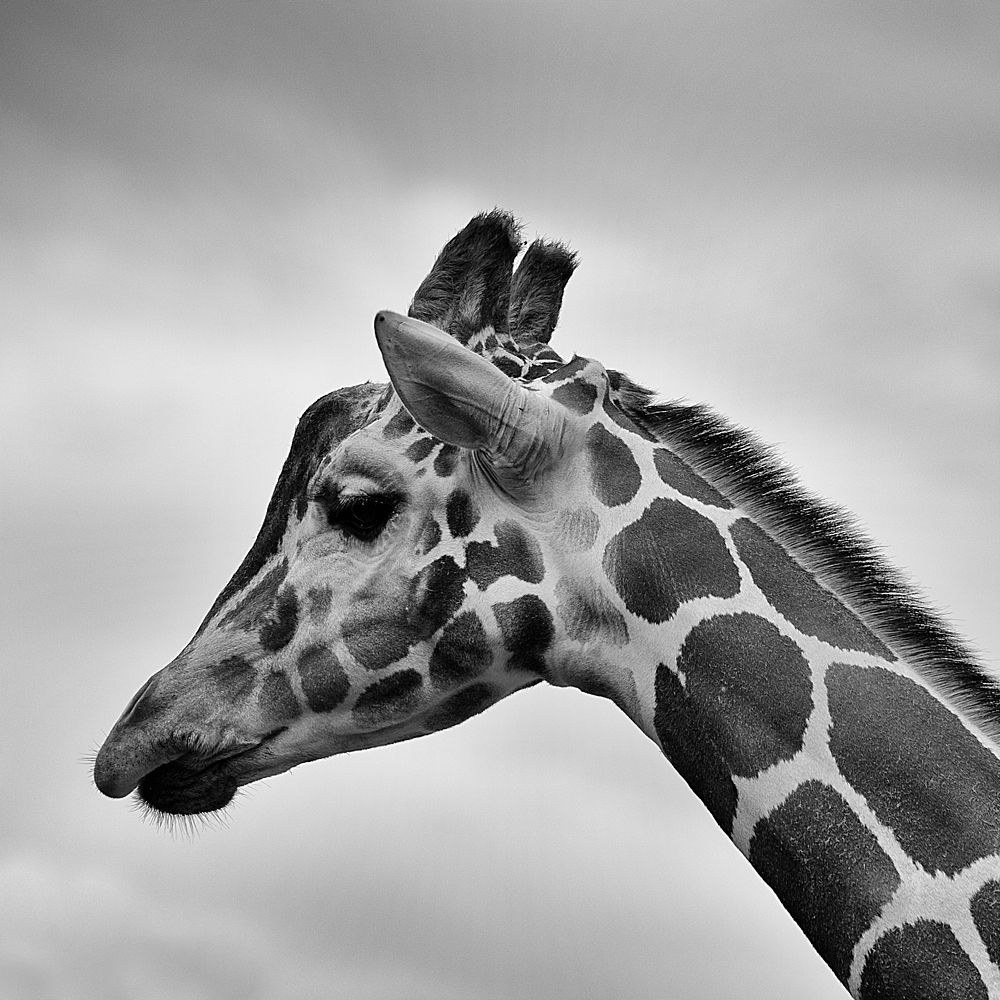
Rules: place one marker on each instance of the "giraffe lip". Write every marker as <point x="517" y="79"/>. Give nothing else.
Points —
<point x="203" y="783"/>
<point x="244" y="750"/>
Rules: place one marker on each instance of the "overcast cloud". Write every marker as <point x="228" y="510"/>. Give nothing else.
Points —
<point x="787" y="210"/>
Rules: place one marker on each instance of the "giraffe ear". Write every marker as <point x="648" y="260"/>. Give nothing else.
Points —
<point x="463" y="399"/>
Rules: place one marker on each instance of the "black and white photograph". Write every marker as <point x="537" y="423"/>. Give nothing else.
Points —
<point x="499" y="500"/>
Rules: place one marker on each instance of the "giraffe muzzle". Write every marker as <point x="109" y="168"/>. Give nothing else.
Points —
<point x="132" y="748"/>
<point x="182" y="775"/>
<point x="176" y="760"/>
<point x="123" y="761"/>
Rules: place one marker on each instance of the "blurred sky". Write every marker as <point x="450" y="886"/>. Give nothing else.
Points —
<point x="788" y="210"/>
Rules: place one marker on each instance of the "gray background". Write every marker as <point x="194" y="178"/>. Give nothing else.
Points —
<point x="788" y="210"/>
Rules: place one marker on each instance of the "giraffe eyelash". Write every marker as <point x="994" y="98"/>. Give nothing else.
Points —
<point x="362" y="516"/>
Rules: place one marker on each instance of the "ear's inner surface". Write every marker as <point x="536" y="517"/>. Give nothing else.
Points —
<point x="465" y="400"/>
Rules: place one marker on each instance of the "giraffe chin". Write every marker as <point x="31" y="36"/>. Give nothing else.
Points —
<point x="182" y="791"/>
<point x="183" y="787"/>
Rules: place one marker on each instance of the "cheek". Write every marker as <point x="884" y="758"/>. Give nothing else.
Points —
<point x="324" y="680"/>
<point x="387" y="619"/>
<point x="277" y="702"/>
<point x="376" y="628"/>
<point x="376" y="635"/>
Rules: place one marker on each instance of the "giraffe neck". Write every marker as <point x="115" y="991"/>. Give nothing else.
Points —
<point x="870" y="806"/>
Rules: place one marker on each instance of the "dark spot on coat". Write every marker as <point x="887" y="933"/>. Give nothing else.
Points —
<point x="445" y="460"/>
<point x="389" y="699"/>
<point x="677" y="473"/>
<point x="436" y="595"/>
<point x="669" y="555"/>
<point x="614" y="474"/>
<point x="922" y="772"/>
<point x="378" y="628"/>
<point x="688" y="747"/>
<point x="576" y="530"/>
<point x="568" y="370"/>
<point x="233" y="676"/>
<point x="420" y="449"/>
<point x="462" y="705"/>
<point x="537" y="371"/>
<point x="920" y="961"/>
<point x="750" y="687"/>
<point x="587" y="614"/>
<point x="515" y="553"/>
<point x="462" y="514"/>
<point x="384" y="622"/>
<point x="319" y="599"/>
<point x="324" y="681"/>
<point x="257" y="601"/>
<point x="577" y="396"/>
<point x="400" y="424"/>
<point x="461" y="653"/>
<point x="278" y="628"/>
<point x="430" y="536"/>
<point x="526" y="627"/>
<point x="826" y="868"/>
<point x="985" y="907"/>
<point x="508" y="365"/>
<point x="795" y="593"/>
<point x="277" y="700"/>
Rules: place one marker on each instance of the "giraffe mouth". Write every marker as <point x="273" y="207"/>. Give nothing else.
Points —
<point x="206" y="782"/>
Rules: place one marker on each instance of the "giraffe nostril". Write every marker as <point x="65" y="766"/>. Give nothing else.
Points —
<point x="137" y="696"/>
<point x="123" y="761"/>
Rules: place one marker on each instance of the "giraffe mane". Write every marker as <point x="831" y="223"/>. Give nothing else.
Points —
<point x="824" y="538"/>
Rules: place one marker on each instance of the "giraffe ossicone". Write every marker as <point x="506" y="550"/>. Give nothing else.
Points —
<point x="496" y="516"/>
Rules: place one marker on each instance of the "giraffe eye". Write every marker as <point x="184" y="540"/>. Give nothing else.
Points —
<point x="362" y="517"/>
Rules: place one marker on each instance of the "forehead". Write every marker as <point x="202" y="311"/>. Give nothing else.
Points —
<point x="321" y="428"/>
<point x="328" y="422"/>
<point x="387" y="451"/>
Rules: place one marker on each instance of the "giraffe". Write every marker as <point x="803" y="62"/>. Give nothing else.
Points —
<point x="494" y="517"/>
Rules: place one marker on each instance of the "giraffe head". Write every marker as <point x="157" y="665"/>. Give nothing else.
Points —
<point x="417" y="539"/>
